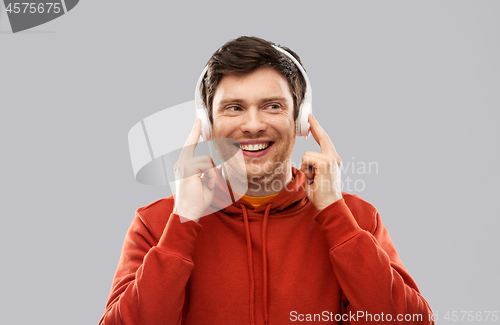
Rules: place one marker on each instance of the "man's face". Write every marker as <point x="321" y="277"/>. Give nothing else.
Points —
<point x="256" y="110"/>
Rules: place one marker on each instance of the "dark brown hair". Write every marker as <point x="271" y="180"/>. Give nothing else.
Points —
<point x="245" y="55"/>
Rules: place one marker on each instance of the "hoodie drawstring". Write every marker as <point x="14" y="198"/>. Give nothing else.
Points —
<point x="250" y="264"/>
<point x="264" y="261"/>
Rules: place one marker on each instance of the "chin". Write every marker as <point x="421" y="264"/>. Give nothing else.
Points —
<point x="257" y="175"/>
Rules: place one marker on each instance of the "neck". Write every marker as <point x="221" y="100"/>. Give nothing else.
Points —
<point x="266" y="185"/>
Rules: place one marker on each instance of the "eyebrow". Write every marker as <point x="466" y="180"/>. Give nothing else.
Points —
<point x="238" y="100"/>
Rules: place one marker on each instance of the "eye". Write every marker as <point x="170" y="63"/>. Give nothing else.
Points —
<point x="234" y="108"/>
<point x="273" y="107"/>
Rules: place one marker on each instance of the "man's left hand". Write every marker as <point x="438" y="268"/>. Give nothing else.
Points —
<point x="322" y="170"/>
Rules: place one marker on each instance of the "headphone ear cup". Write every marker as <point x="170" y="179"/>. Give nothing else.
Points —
<point x="298" y="132"/>
<point x="201" y="112"/>
<point x="302" y="122"/>
<point x="206" y="128"/>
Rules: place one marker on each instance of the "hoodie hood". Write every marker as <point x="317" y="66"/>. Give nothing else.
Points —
<point x="289" y="200"/>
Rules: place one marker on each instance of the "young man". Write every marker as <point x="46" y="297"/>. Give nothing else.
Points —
<point x="301" y="251"/>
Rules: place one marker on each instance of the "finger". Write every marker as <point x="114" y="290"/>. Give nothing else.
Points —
<point x="201" y="159"/>
<point x="321" y="155"/>
<point x="211" y="178"/>
<point x="191" y="142"/>
<point x="308" y="171"/>
<point x="323" y="140"/>
<point x="320" y="165"/>
<point x="194" y="169"/>
<point x="321" y="137"/>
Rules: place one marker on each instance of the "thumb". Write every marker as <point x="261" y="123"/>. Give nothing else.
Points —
<point x="212" y="178"/>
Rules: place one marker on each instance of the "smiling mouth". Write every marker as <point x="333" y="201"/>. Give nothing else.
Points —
<point x="255" y="147"/>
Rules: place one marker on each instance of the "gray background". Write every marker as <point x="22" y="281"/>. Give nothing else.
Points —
<point x="412" y="86"/>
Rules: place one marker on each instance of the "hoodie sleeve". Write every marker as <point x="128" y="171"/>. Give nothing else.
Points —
<point x="369" y="271"/>
<point x="150" y="280"/>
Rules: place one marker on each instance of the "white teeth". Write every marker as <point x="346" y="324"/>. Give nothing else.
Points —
<point x="255" y="147"/>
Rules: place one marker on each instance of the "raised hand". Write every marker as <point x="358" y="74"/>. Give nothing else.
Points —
<point x="322" y="170"/>
<point x="195" y="179"/>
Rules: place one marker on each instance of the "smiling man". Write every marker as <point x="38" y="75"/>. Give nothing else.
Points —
<point x="256" y="109"/>
<point x="298" y="251"/>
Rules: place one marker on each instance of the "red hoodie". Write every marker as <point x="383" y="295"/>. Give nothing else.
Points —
<point x="279" y="263"/>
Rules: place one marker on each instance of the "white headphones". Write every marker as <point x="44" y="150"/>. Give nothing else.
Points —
<point x="301" y="124"/>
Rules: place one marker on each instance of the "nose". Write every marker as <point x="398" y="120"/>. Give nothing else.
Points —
<point x="253" y="122"/>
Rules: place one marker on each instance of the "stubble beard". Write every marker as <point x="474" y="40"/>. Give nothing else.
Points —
<point x="259" y="178"/>
<point x="262" y="179"/>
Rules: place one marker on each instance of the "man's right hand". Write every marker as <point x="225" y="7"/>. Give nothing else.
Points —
<point x="195" y="179"/>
